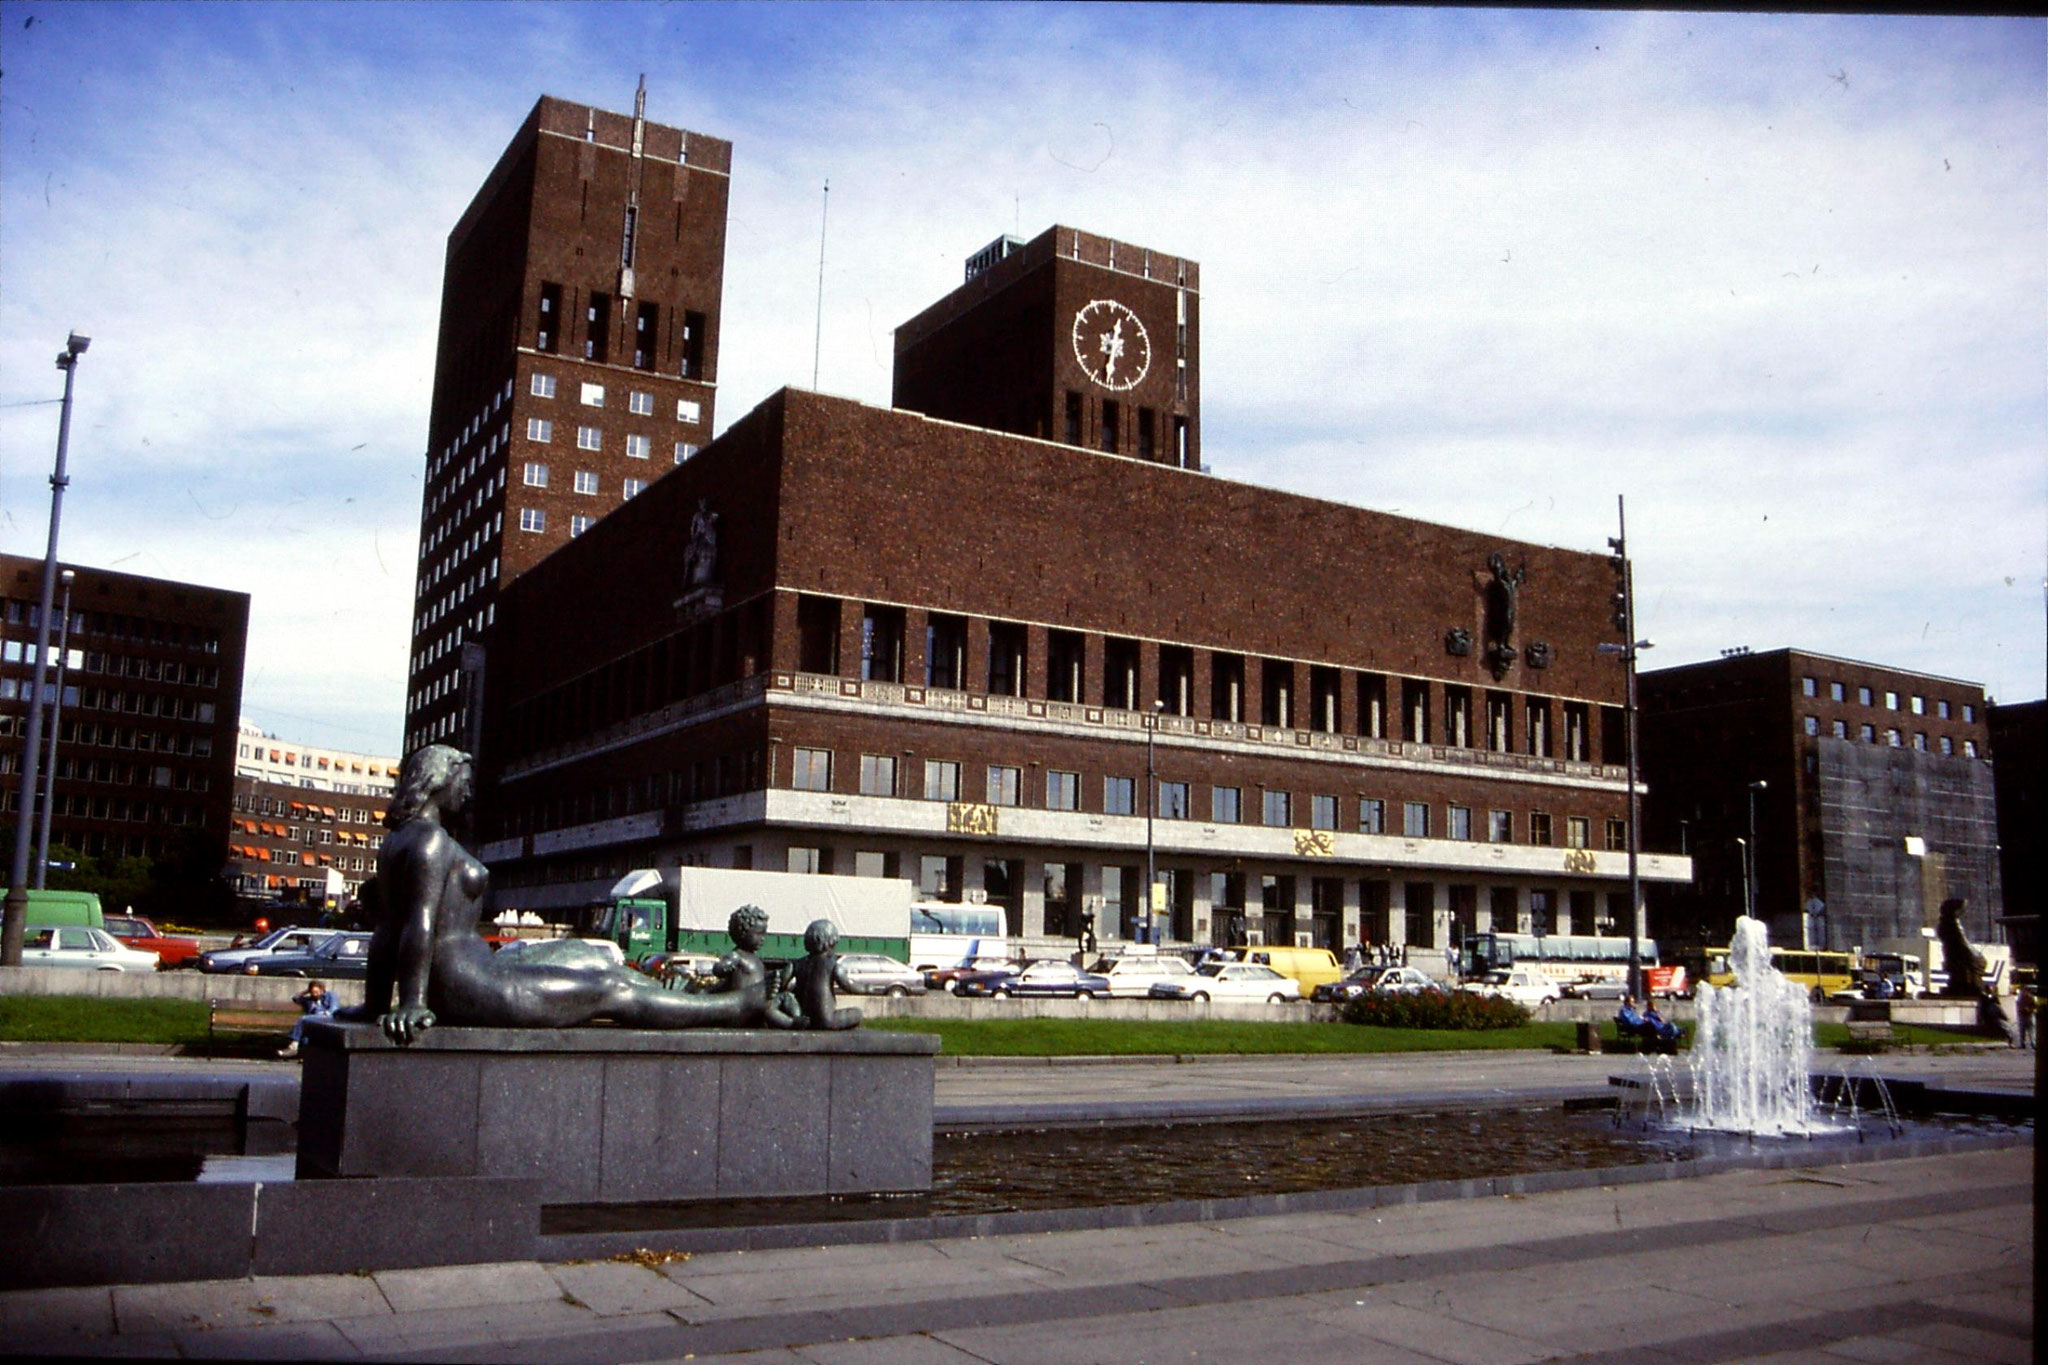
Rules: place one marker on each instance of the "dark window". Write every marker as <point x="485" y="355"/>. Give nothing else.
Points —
<point x="646" y="332"/>
<point x="1372" y="705"/>
<point x="1072" y="428"/>
<point x="1147" y="436"/>
<point x="1006" y="658"/>
<point x="1112" y="421"/>
<point x="945" y="651"/>
<point x="548" y="336"/>
<point x="1324" y="693"/>
<point x="1226" y="687"/>
<point x="1414" y="711"/>
<point x="881" y="644"/>
<point x="1120" y="673"/>
<point x="817" y="634"/>
<point x="1177" y="679"/>
<point x="597" y="329"/>
<point x="1065" y="658"/>
<point x="692" y="366"/>
<point x="1276" y="702"/>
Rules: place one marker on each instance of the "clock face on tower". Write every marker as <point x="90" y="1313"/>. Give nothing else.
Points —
<point x="1111" y="344"/>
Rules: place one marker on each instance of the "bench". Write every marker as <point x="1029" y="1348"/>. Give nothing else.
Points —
<point x="246" y="1017"/>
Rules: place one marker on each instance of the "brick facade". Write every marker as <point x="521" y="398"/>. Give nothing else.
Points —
<point x="1856" y="760"/>
<point x="577" y="364"/>
<point x="894" y="592"/>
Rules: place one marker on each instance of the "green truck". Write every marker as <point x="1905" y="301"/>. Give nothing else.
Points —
<point x="47" y="908"/>
<point x="685" y="910"/>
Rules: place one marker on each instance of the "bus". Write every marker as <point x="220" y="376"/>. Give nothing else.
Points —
<point x="1821" y="973"/>
<point x="1592" y="964"/>
<point x="944" y="934"/>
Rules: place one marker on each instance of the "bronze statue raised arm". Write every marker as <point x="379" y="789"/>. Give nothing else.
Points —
<point x="429" y="897"/>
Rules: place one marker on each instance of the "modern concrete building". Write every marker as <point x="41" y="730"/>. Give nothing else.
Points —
<point x="307" y="820"/>
<point x="1871" y="789"/>
<point x="577" y="362"/>
<point x="891" y="642"/>
<point x="145" y="754"/>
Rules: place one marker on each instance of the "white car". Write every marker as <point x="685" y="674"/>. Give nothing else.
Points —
<point x="1134" y="974"/>
<point x="878" y="974"/>
<point x="1373" y="980"/>
<point x="1523" y="985"/>
<point x="286" y="940"/>
<point x="1229" y="981"/>
<point x="77" y="945"/>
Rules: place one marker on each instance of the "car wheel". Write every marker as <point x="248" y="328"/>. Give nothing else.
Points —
<point x="1202" y="996"/>
<point x="897" y="991"/>
<point x="1000" y="993"/>
<point x="1276" y="999"/>
<point x="1089" y="995"/>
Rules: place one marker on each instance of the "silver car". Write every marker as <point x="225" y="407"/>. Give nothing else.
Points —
<point x="286" y="940"/>
<point x="875" y="974"/>
<point x="77" y="945"/>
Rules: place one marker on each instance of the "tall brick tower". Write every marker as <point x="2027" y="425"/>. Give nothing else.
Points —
<point x="577" y="362"/>
<point x="1068" y="337"/>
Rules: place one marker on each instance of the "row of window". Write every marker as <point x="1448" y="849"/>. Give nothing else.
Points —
<point x="811" y="770"/>
<point x="81" y="806"/>
<point x="1893" y="737"/>
<point x="541" y="431"/>
<point x="253" y="803"/>
<point x="1893" y="701"/>
<point x="687" y="347"/>
<point x="292" y="758"/>
<point x="1282" y="693"/>
<point x="536" y="519"/>
<point x="639" y="402"/>
<point x="29" y="615"/>
<point x="583" y="481"/>
<point x="114" y="773"/>
<point x="117" y="665"/>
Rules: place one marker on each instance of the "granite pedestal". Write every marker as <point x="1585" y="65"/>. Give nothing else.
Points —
<point x="603" y="1114"/>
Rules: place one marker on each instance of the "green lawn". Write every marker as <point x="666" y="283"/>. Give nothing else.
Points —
<point x="90" y="1019"/>
<point x="1130" y="1037"/>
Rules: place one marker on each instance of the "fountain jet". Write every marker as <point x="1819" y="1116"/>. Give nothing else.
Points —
<point x="1751" y="1059"/>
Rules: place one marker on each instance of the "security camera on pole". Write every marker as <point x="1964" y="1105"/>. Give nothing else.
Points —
<point x="32" y="742"/>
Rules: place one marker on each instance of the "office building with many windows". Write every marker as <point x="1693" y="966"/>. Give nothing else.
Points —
<point x="577" y="361"/>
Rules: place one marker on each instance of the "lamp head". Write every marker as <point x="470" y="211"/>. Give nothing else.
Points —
<point x="77" y="342"/>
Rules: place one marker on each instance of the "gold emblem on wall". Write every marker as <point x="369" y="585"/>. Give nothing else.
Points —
<point x="1579" y="860"/>
<point x="1314" y="843"/>
<point x="970" y="817"/>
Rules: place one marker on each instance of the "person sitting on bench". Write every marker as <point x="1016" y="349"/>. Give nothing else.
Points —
<point x="1659" y="1030"/>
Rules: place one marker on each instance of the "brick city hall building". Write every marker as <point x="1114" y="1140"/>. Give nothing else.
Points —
<point x="948" y="640"/>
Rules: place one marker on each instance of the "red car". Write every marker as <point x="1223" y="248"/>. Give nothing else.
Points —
<point x="137" y="932"/>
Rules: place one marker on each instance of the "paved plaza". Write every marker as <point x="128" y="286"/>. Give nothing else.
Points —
<point x="1922" y="1259"/>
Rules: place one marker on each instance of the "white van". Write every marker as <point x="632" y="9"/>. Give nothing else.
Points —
<point x="1132" y="974"/>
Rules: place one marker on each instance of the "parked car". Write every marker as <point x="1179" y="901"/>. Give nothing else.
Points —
<point x="1133" y="974"/>
<point x="1229" y="981"/>
<point x="341" y="956"/>
<point x="875" y="974"/>
<point x="288" y="940"/>
<point x="1039" y="978"/>
<point x="142" y="935"/>
<point x="1309" y="967"/>
<point x="949" y="978"/>
<point x="1595" y="990"/>
<point x="1523" y="985"/>
<point x="81" y="945"/>
<point x="1368" y="979"/>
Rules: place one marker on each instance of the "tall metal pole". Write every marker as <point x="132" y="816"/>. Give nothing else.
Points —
<point x="32" y="742"/>
<point x="56" y="726"/>
<point x="1625" y="618"/>
<point x="818" y="328"/>
<point x="1749" y="853"/>
<point x="1151" y="799"/>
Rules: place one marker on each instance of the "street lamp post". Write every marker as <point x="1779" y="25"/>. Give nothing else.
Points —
<point x="56" y="725"/>
<point x="1151" y="800"/>
<point x="32" y="742"/>
<point x="1749" y="853"/>
<point x="1625" y="621"/>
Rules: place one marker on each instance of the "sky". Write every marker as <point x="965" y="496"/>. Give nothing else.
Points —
<point x="1776" y="279"/>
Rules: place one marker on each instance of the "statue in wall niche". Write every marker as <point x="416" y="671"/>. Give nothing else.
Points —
<point x="426" y="945"/>
<point x="700" y="555"/>
<point x="1503" y="592"/>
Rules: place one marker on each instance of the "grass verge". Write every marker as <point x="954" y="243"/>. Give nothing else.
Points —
<point x="1140" y="1038"/>
<point x="90" y="1019"/>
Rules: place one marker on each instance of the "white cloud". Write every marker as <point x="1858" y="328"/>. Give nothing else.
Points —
<point x="1776" y="278"/>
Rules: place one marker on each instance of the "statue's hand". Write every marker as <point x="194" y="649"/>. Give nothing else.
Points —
<point x="403" y="1026"/>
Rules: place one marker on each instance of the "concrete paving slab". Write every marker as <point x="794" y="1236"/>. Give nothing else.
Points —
<point x="1994" y="1348"/>
<point x="473" y="1330"/>
<point x="1165" y="1254"/>
<point x="1888" y="1350"/>
<point x="1217" y="1333"/>
<point x="82" y="1311"/>
<point x="225" y="1304"/>
<point x="827" y="1284"/>
<point x="464" y="1286"/>
<point x="286" y="1341"/>
<point x="2017" y="1311"/>
<point x="1432" y="1334"/>
<point x="904" y="1350"/>
<point x="612" y="1288"/>
<point x="802" y="1259"/>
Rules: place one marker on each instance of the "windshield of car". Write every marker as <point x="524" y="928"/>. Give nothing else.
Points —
<point x="1498" y="979"/>
<point x="1211" y="968"/>
<point x="122" y="924"/>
